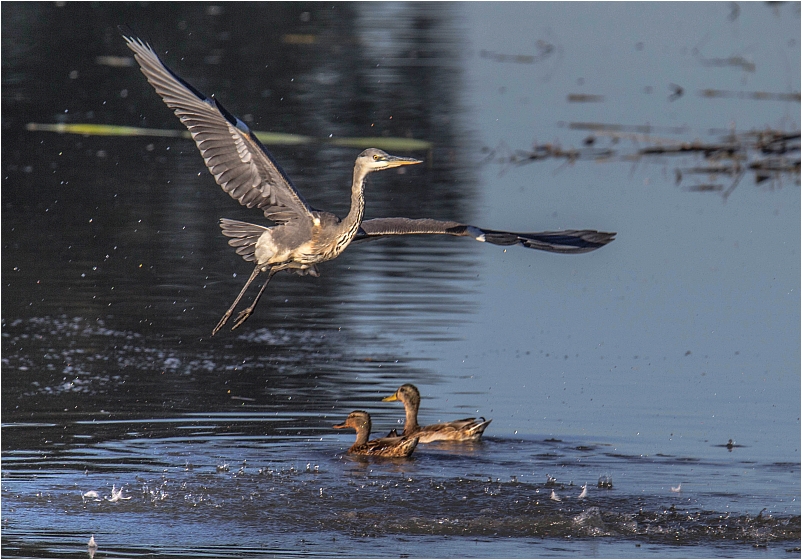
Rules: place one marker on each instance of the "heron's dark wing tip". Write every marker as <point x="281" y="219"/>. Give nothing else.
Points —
<point x="568" y="241"/>
<point x="125" y="31"/>
<point x="144" y="47"/>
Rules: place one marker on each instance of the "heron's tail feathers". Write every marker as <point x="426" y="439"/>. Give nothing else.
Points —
<point x="243" y="236"/>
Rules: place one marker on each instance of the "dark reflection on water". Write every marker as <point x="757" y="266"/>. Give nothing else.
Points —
<point x="124" y="248"/>
<point x="114" y="273"/>
<point x="284" y="87"/>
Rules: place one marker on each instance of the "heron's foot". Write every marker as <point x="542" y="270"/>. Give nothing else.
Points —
<point x="222" y="322"/>
<point x="242" y="317"/>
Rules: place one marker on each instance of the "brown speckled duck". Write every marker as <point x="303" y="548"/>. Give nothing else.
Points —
<point x="467" y="429"/>
<point x="359" y="420"/>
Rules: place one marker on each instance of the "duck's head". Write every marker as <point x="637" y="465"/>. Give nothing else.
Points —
<point x="407" y="394"/>
<point x="358" y="420"/>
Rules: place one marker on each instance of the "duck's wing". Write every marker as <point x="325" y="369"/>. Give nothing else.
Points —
<point x="457" y="430"/>
<point x="392" y="446"/>
<point x="240" y="164"/>
<point x="568" y="241"/>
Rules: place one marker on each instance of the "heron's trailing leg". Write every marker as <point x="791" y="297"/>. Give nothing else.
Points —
<point x="228" y="313"/>
<point x="245" y="313"/>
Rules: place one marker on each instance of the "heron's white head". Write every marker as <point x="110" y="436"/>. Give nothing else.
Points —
<point x="374" y="159"/>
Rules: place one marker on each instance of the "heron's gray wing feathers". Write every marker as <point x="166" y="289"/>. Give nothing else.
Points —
<point x="568" y="241"/>
<point x="240" y="164"/>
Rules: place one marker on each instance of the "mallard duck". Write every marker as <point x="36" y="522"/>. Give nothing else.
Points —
<point x="359" y="420"/>
<point x="467" y="429"/>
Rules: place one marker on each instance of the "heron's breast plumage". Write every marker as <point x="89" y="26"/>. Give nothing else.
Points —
<point x="328" y="239"/>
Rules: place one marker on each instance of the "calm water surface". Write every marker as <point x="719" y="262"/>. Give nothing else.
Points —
<point x="626" y="370"/>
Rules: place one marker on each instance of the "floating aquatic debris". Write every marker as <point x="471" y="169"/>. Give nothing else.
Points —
<point x="768" y="154"/>
<point x="756" y="95"/>
<point x="298" y="39"/>
<point x="730" y="445"/>
<point x="544" y="51"/>
<point x="584" y="98"/>
<point x="676" y="92"/>
<point x="268" y="138"/>
<point x="734" y="61"/>
<point x="502" y="154"/>
<point x="677" y="488"/>
<point x="615" y="129"/>
<point x="584" y="493"/>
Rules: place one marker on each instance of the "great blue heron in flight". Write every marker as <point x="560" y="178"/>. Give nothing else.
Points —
<point x="302" y="236"/>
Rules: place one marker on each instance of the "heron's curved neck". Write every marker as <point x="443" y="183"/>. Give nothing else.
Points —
<point x="351" y="222"/>
<point x="411" y="422"/>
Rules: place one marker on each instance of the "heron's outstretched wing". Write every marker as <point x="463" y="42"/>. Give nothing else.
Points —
<point x="568" y="241"/>
<point x="241" y="165"/>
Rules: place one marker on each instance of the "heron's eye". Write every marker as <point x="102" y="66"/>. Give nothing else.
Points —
<point x="376" y="157"/>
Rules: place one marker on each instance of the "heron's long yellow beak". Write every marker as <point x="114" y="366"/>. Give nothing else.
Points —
<point x="397" y="161"/>
<point x="390" y="398"/>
